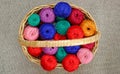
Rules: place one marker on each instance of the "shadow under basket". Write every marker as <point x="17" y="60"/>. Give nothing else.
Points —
<point x="54" y="43"/>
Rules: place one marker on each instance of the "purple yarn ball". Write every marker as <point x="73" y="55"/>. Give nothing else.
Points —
<point x="50" y="50"/>
<point x="47" y="15"/>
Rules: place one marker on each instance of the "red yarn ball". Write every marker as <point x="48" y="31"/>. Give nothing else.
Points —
<point x="76" y="17"/>
<point x="34" y="51"/>
<point x="70" y="62"/>
<point x="75" y="32"/>
<point x="59" y="37"/>
<point x="48" y="62"/>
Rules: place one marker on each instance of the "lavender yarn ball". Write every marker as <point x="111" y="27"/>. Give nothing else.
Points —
<point x="47" y="15"/>
<point x="50" y="50"/>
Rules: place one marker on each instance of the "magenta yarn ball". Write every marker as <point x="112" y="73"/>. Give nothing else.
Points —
<point x="47" y="15"/>
<point x="50" y="50"/>
<point x="31" y="33"/>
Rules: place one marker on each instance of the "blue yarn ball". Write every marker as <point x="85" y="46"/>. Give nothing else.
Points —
<point x="62" y="9"/>
<point x="72" y="49"/>
<point x="47" y="31"/>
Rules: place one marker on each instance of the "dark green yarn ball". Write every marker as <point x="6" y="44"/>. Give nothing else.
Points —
<point x="62" y="27"/>
<point x="34" y="20"/>
<point x="59" y="19"/>
<point x="60" y="54"/>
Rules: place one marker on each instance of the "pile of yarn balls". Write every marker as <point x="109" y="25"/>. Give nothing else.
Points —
<point x="60" y="23"/>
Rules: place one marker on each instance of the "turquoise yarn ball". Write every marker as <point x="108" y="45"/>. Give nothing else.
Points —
<point x="34" y="20"/>
<point x="60" y="54"/>
<point x="62" y="27"/>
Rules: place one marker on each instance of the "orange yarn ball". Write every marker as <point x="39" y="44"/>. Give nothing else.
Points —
<point x="48" y="62"/>
<point x="88" y="27"/>
<point x="70" y="62"/>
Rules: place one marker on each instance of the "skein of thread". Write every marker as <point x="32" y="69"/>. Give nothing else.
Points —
<point x="70" y="62"/>
<point x="47" y="15"/>
<point x="35" y="51"/>
<point x="62" y="27"/>
<point x="48" y="62"/>
<point x="34" y="19"/>
<point x="76" y="17"/>
<point x="90" y="46"/>
<point x="31" y="33"/>
<point x="60" y="54"/>
<point x="50" y="50"/>
<point x="75" y="32"/>
<point x="85" y="55"/>
<point x="59" y="37"/>
<point x="72" y="49"/>
<point x="47" y="31"/>
<point x="62" y="9"/>
<point x="59" y="19"/>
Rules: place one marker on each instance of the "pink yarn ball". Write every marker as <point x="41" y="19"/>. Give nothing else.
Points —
<point x="90" y="46"/>
<point x="31" y="33"/>
<point x="47" y="15"/>
<point x="50" y="50"/>
<point x="85" y="55"/>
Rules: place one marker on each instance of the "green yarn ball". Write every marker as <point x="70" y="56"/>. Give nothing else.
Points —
<point x="34" y="20"/>
<point x="60" y="54"/>
<point x="59" y="19"/>
<point x="62" y="27"/>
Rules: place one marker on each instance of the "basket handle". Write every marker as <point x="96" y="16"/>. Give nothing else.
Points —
<point x="60" y="43"/>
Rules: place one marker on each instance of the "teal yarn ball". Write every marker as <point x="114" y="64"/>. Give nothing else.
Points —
<point x="59" y="19"/>
<point x="60" y="54"/>
<point x="34" y="20"/>
<point x="62" y="27"/>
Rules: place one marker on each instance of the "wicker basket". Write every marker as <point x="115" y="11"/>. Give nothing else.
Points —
<point x="24" y="43"/>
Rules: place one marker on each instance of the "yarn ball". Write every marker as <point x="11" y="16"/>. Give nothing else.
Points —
<point x="48" y="62"/>
<point x="62" y="27"/>
<point x="85" y="55"/>
<point x="88" y="27"/>
<point x="34" y="19"/>
<point x="70" y="62"/>
<point x="50" y="50"/>
<point x="59" y="19"/>
<point x="34" y="51"/>
<point x="75" y="32"/>
<point x="47" y="31"/>
<point x="90" y="46"/>
<point x="76" y="17"/>
<point x="72" y="49"/>
<point x="60" y="54"/>
<point x="62" y="9"/>
<point x="31" y="33"/>
<point x="47" y="15"/>
<point x="59" y="37"/>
